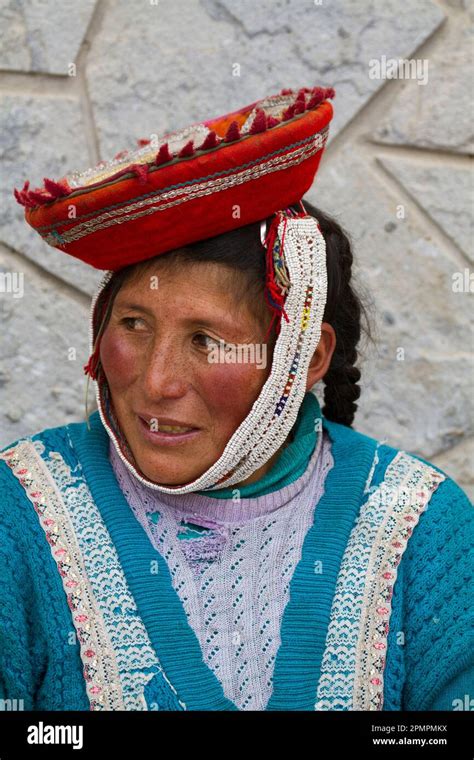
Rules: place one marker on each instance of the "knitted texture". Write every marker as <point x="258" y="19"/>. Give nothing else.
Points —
<point x="39" y="653"/>
<point x="118" y="657"/>
<point x="431" y="639"/>
<point x="234" y="604"/>
<point x="55" y="653"/>
<point x="439" y="610"/>
<point x="429" y="659"/>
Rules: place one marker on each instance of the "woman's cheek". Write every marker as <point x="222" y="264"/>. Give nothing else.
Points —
<point x="231" y="389"/>
<point x="119" y="358"/>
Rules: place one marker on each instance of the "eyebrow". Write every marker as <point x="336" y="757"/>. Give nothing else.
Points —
<point x="133" y="307"/>
<point x="212" y="323"/>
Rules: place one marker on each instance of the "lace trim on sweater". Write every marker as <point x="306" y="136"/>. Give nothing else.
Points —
<point x="117" y="655"/>
<point x="354" y="658"/>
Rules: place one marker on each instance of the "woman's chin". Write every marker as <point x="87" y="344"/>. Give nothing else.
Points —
<point x="172" y="478"/>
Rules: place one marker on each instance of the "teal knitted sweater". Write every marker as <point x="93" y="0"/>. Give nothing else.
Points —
<point x="53" y="650"/>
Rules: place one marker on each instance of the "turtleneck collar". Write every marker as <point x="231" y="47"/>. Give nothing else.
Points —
<point x="288" y="475"/>
<point x="292" y="460"/>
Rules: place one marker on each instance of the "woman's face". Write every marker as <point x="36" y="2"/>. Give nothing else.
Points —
<point x="159" y="354"/>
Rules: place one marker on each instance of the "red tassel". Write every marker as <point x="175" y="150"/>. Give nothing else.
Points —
<point x="233" y="133"/>
<point x="210" y="142"/>
<point x="18" y="196"/>
<point x="187" y="150"/>
<point x="121" y="154"/>
<point x="22" y="195"/>
<point x="24" y="199"/>
<point x="40" y="197"/>
<point x="299" y="107"/>
<point x="31" y="203"/>
<point x="142" y="141"/>
<point x="89" y="367"/>
<point x="314" y="101"/>
<point x="163" y="155"/>
<point x="259" y="123"/>
<point x="141" y="170"/>
<point x="272" y="122"/>
<point x="57" y="189"/>
<point x="288" y="113"/>
<point x="286" y="92"/>
<point x="320" y="94"/>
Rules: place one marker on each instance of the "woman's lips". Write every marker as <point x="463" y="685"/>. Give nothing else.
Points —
<point x="165" y="437"/>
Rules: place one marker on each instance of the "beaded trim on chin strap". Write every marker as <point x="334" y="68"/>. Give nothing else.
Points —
<point x="297" y="249"/>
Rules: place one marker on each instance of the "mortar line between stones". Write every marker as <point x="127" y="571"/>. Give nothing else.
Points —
<point x="421" y="157"/>
<point x="20" y="262"/>
<point x="448" y="244"/>
<point x="369" y="113"/>
<point x="90" y="129"/>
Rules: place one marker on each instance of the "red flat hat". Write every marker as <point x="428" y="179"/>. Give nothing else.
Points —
<point x="198" y="182"/>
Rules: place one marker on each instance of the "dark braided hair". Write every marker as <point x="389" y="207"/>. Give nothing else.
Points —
<point x="344" y="311"/>
<point x="241" y="251"/>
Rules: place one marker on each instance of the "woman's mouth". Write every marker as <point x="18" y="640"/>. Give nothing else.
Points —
<point x="166" y="434"/>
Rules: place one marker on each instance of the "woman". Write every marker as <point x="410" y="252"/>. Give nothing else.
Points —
<point x="210" y="538"/>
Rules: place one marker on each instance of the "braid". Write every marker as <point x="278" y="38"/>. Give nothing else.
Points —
<point x="343" y="311"/>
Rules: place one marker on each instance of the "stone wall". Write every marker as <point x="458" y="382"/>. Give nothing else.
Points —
<point x="81" y="80"/>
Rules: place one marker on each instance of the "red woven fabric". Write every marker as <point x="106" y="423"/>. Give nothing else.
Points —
<point x="139" y="189"/>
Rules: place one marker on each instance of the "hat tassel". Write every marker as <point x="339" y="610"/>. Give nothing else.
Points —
<point x="42" y="195"/>
<point x="274" y="293"/>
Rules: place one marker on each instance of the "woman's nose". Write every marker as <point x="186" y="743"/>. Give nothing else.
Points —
<point x="165" y="371"/>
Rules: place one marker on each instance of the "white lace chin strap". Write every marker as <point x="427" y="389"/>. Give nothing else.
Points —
<point x="274" y="412"/>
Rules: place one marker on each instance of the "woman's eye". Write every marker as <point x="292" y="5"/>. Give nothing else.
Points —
<point x="205" y="340"/>
<point x="131" y="323"/>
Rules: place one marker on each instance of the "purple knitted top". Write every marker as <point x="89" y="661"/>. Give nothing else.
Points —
<point x="231" y="562"/>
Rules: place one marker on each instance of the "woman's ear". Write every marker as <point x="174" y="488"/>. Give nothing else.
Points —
<point x="321" y="358"/>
